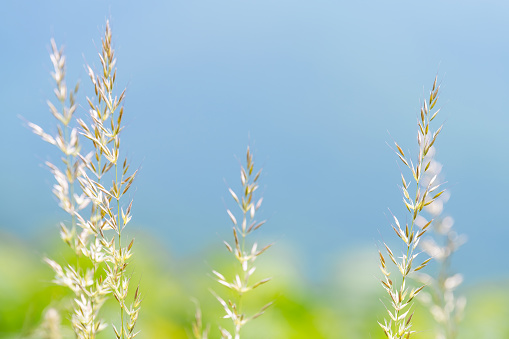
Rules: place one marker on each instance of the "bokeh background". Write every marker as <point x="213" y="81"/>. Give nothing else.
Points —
<point x="317" y="89"/>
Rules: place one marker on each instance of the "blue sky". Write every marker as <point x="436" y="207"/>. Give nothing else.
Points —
<point x="315" y="87"/>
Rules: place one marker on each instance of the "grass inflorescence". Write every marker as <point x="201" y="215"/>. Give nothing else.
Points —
<point x="244" y="253"/>
<point x="399" y="306"/>
<point x="96" y="233"/>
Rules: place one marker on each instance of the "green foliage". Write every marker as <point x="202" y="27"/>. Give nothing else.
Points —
<point x="300" y="310"/>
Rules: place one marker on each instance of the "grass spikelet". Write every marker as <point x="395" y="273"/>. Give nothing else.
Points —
<point x="399" y="323"/>
<point x="244" y="255"/>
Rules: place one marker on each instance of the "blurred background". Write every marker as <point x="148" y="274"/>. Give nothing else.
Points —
<point x="317" y="89"/>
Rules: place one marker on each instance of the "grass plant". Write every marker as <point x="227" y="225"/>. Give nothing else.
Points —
<point x="85" y="320"/>
<point x="100" y="238"/>
<point x="401" y="296"/>
<point x="245" y="254"/>
<point x="93" y="189"/>
<point x="108" y="213"/>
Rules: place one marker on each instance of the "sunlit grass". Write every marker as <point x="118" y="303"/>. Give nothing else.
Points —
<point x="345" y="305"/>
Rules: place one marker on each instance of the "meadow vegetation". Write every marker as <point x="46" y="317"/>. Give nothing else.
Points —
<point x="98" y="291"/>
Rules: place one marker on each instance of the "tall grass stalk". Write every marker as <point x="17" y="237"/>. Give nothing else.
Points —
<point x="110" y="213"/>
<point x="100" y="240"/>
<point x="67" y="142"/>
<point x="245" y="254"/>
<point x="399" y="306"/>
<point x="85" y="320"/>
